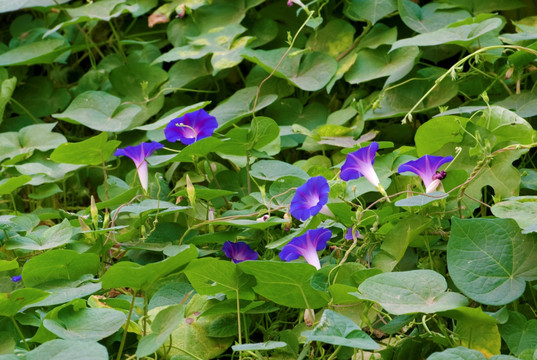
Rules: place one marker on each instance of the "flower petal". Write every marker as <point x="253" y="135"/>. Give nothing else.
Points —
<point x="309" y="198"/>
<point x="307" y="246"/>
<point x="239" y="251"/>
<point x="191" y="127"/>
<point x="425" y="167"/>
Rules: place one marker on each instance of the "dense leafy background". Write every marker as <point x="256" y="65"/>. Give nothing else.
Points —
<point x="109" y="270"/>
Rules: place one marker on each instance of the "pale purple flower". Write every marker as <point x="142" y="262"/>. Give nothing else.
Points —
<point x="191" y="127"/>
<point x="138" y="154"/>
<point x="239" y="251"/>
<point x="309" y="198"/>
<point x="348" y="234"/>
<point x="360" y="163"/>
<point x="307" y="246"/>
<point x="426" y="167"/>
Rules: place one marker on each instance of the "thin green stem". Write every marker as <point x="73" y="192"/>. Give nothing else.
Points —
<point x="239" y="317"/>
<point x="279" y="63"/>
<point x="457" y="65"/>
<point x="20" y="333"/>
<point x="187" y="352"/>
<point x="124" y="337"/>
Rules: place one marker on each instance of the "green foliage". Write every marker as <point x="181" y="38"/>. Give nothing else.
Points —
<point x="95" y="266"/>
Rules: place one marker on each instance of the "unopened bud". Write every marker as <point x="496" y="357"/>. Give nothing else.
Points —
<point x="309" y="317"/>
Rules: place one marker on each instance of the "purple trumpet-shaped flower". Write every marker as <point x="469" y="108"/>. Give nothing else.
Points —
<point x="16" y="278"/>
<point x="309" y="198"/>
<point x="239" y="251"/>
<point x="426" y="167"/>
<point x="138" y="154"/>
<point x="348" y="234"/>
<point x="191" y="127"/>
<point x="360" y="163"/>
<point x="307" y="246"/>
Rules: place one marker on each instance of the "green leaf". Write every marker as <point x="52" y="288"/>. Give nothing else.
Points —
<point x="7" y="87"/>
<point x="462" y="35"/>
<point x="12" y="6"/>
<point x="6" y="265"/>
<point x="272" y="170"/>
<point x="142" y="277"/>
<point x="336" y="329"/>
<point x="63" y="291"/>
<point x="489" y="260"/>
<point x="263" y="131"/>
<point x="93" y="151"/>
<point x="192" y="334"/>
<point x="416" y="291"/>
<point x="420" y="200"/>
<point x="162" y="326"/>
<point x="269" y="345"/>
<point x="253" y="224"/>
<point x="478" y="6"/>
<point x="397" y="240"/>
<point x="378" y="63"/>
<point x="150" y="206"/>
<point x="240" y="105"/>
<point x="400" y="99"/>
<point x="430" y="17"/>
<point x="310" y="72"/>
<point x="370" y="10"/>
<point x="521" y="209"/>
<point x="10" y="304"/>
<point x="334" y="38"/>
<point x="39" y="52"/>
<point x="285" y="284"/>
<point x="54" y="236"/>
<point x="137" y="81"/>
<point x="34" y="137"/>
<point x="476" y="330"/>
<point x="85" y="324"/>
<point x="458" y="353"/>
<point x="58" y="265"/>
<point x="44" y="191"/>
<point x="443" y="129"/>
<point x="7" y="186"/>
<point x="210" y="276"/>
<point x="100" y="111"/>
<point x="519" y="333"/>
<point x="68" y="349"/>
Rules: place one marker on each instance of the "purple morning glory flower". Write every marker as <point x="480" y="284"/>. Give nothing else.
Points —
<point x="348" y="235"/>
<point x="360" y="163"/>
<point x="239" y="251"/>
<point x="16" y="278"/>
<point x="307" y="246"/>
<point x="191" y="127"/>
<point x="138" y="154"/>
<point x="310" y="198"/>
<point x="426" y="167"/>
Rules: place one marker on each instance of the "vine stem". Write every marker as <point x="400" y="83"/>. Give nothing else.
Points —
<point x="256" y="99"/>
<point x="459" y="63"/>
<point x="124" y="337"/>
<point x="20" y="333"/>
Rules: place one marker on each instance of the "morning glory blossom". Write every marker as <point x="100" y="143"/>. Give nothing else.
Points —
<point x="138" y="154"/>
<point x="307" y="246"/>
<point x="360" y="163"/>
<point x="239" y="251"/>
<point x="191" y="127"/>
<point x="348" y="234"/>
<point x="309" y="198"/>
<point x="426" y="167"/>
<point x="16" y="278"/>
